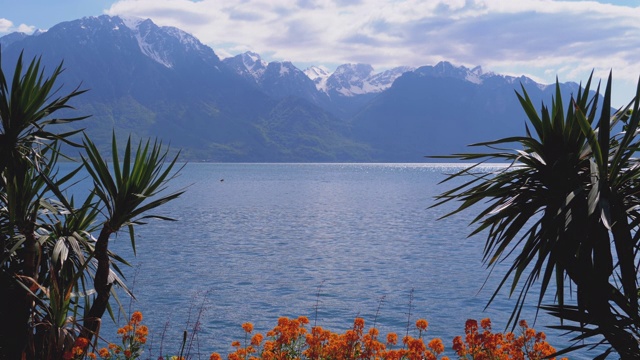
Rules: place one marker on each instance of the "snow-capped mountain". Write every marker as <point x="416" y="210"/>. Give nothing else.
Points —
<point x="148" y="80"/>
<point x="167" y="46"/>
<point x="383" y="80"/>
<point x="347" y="80"/>
<point x="350" y="79"/>
<point x="319" y="75"/>
<point x="162" y="44"/>
<point x="354" y="79"/>
<point x="278" y="79"/>
<point x="249" y="65"/>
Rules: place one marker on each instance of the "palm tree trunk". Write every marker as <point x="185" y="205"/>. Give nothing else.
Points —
<point x="16" y="304"/>
<point x="14" y="313"/>
<point x="101" y="284"/>
<point x="599" y="307"/>
<point x="590" y="270"/>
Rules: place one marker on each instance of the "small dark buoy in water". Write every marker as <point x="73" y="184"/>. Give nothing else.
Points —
<point x="221" y="180"/>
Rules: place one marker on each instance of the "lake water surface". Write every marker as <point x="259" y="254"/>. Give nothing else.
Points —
<point x="327" y="241"/>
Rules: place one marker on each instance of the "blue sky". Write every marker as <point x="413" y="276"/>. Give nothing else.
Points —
<point x="538" y="38"/>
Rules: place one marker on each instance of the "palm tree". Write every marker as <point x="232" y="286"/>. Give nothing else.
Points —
<point x="566" y="208"/>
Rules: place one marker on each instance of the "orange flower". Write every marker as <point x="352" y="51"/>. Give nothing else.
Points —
<point x="125" y="329"/>
<point x="458" y="346"/>
<point x="436" y="345"/>
<point x="68" y="355"/>
<point x="256" y="340"/>
<point x="392" y="338"/>
<point x="248" y="327"/>
<point x="374" y="332"/>
<point x="358" y="323"/>
<point x="422" y="324"/>
<point x="471" y="325"/>
<point x="92" y="356"/>
<point x="303" y="320"/>
<point x="143" y="330"/>
<point x="104" y="352"/>
<point x="136" y="318"/>
<point x="215" y="356"/>
<point x="523" y="323"/>
<point x="485" y="323"/>
<point x="127" y="353"/>
<point x="81" y="342"/>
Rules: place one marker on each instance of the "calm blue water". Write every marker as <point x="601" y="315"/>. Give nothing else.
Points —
<point x="328" y="241"/>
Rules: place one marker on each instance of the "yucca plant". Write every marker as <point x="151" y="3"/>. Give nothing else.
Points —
<point x="27" y="148"/>
<point x="55" y="275"/>
<point x="127" y="190"/>
<point x="566" y="209"/>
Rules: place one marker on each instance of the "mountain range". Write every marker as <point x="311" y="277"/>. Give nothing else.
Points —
<point x="152" y="81"/>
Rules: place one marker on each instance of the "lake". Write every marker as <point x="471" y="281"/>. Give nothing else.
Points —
<point x="328" y="241"/>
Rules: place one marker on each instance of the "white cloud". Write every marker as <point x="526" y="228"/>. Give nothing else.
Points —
<point x="7" y="26"/>
<point x="541" y="38"/>
<point x="27" y="29"/>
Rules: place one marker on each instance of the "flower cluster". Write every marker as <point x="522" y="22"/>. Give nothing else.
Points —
<point x="79" y="350"/>
<point x="487" y="345"/>
<point x="291" y="339"/>
<point x="133" y="335"/>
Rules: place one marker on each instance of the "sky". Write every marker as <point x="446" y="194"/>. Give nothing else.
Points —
<point x="541" y="39"/>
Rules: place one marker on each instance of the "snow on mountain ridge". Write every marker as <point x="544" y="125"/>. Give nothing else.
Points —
<point x="354" y="79"/>
<point x="284" y="68"/>
<point x="315" y="72"/>
<point x="184" y="37"/>
<point x="474" y="75"/>
<point x="131" y="22"/>
<point x="254" y="64"/>
<point x="146" y="34"/>
<point x="319" y="75"/>
<point x="383" y="80"/>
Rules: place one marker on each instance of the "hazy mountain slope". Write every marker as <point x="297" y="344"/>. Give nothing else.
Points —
<point x="438" y="113"/>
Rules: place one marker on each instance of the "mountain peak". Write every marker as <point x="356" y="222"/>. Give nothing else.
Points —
<point x="446" y="69"/>
<point x="319" y="75"/>
<point x="361" y="70"/>
<point x="359" y="79"/>
<point x="315" y="72"/>
<point x="159" y="43"/>
<point x="254" y="63"/>
<point x="9" y="39"/>
<point x="248" y="65"/>
<point x="132" y="22"/>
